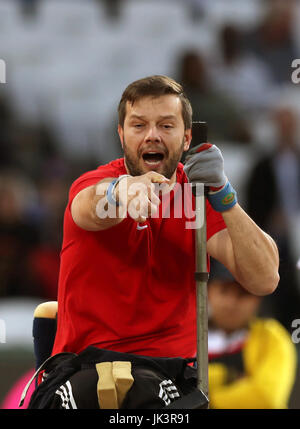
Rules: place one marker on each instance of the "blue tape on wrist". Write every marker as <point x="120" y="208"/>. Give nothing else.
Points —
<point x="224" y="199"/>
<point x="109" y="193"/>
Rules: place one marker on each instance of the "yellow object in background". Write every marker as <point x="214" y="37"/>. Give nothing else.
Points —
<point x="270" y="362"/>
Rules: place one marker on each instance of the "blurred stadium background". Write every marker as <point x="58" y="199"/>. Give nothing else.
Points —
<point x="67" y="63"/>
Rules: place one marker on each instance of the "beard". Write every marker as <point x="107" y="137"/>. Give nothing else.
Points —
<point x="133" y="162"/>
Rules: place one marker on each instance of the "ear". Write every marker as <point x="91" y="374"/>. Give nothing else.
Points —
<point x="121" y="134"/>
<point x="187" y="139"/>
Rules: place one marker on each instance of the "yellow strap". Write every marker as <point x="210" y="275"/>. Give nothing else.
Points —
<point x="123" y="379"/>
<point x="106" y="389"/>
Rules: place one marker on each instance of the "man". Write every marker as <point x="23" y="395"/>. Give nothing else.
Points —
<point x="126" y="279"/>
<point x="273" y="201"/>
<point x="252" y="360"/>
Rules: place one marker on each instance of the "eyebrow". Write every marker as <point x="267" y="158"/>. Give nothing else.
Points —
<point x="162" y="117"/>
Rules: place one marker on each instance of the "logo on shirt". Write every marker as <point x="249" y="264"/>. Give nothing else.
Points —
<point x="140" y="227"/>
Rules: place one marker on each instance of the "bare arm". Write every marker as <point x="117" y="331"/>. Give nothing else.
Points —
<point x="91" y="210"/>
<point x="84" y="208"/>
<point x="249" y="253"/>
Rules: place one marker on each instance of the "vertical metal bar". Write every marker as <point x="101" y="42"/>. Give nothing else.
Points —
<point x="201" y="289"/>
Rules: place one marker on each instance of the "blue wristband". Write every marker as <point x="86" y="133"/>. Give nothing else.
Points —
<point x="109" y="193"/>
<point x="224" y="199"/>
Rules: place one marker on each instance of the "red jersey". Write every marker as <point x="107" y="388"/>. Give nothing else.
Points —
<point x="127" y="288"/>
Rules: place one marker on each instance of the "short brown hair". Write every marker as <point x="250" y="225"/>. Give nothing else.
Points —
<point x="155" y="86"/>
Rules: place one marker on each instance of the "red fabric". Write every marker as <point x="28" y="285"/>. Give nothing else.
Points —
<point x="204" y="146"/>
<point x="126" y="289"/>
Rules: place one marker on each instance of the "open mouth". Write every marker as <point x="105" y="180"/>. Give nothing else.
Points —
<point x="153" y="158"/>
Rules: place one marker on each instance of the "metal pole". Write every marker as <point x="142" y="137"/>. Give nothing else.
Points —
<point x="201" y="275"/>
<point x="201" y="289"/>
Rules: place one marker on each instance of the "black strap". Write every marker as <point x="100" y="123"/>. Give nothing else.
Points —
<point x="170" y="367"/>
<point x="44" y="365"/>
<point x="202" y="277"/>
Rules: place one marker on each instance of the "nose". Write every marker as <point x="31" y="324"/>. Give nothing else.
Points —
<point x="152" y="135"/>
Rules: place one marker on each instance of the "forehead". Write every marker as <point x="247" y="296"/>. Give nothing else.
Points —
<point x="150" y="107"/>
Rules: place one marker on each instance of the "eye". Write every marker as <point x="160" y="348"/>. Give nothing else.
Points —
<point x="167" y="126"/>
<point x="138" y="126"/>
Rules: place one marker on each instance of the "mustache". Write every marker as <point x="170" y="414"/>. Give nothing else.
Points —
<point x="156" y="148"/>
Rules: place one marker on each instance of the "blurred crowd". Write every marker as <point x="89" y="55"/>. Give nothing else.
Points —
<point x="239" y="85"/>
<point x="33" y="192"/>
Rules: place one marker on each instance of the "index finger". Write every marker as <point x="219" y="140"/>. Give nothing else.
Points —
<point x="157" y="177"/>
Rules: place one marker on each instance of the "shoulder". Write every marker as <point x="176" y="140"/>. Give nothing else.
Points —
<point x="89" y="178"/>
<point x="110" y="168"/>
<point x="270" y="331"/>
<point x="269" y="349"/>
<point x="269" y="325"/>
